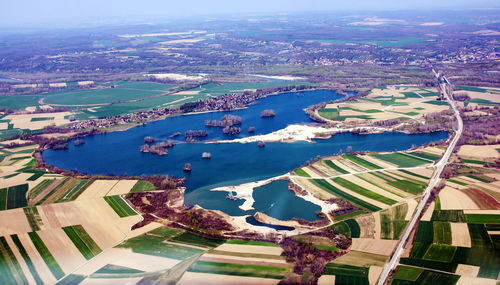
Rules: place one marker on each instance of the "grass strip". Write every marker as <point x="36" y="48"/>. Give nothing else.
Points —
<point x="361" y="162"/>
<point x="81" y="239"/>
<point x="363" y="191"/>
<point x="335" y="167"/>
<point x="323" y="184"/>
<point x="261" y="271"/>
<point x="27" y="259"/>
<point x="143" y="186"/>
<point x="119" y="206"/>
<point x="47" y="257"/>
<point x="301" y="172"/>
<point x="10" y="265"/>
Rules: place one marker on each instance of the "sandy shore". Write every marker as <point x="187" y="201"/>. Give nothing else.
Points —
<point x="245" y="191"/>
<point x="294" y="133"/>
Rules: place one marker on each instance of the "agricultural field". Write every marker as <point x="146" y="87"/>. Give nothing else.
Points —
<point x="457" y="237"/>
<point x="108" y="99"/>
<point x="402" y="102"/>
<point x="391" y="102"/>
<point x="480" y="95"/>
<point x="383" y="188"/>
<point x="119" y="206"/>
<point x="171" y="100"/>
<point x="173" y="255"/>
<point x="371" y="182"/>
<point x="46" y="233"/>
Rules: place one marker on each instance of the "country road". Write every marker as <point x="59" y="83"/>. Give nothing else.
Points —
<point x="432" y="183"/>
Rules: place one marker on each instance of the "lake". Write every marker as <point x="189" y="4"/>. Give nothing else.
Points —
<point x="231" y="163"/>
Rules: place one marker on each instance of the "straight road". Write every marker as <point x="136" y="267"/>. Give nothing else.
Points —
<point x="432" y="183"/>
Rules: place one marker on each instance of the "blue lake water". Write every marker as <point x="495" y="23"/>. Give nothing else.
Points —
<point x="231" y="163"/>
<point x="277" y="201"/>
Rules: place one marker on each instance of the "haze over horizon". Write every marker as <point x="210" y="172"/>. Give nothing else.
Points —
<point x="56" y="13"/>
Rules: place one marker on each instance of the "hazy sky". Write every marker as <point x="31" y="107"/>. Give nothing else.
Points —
<point x="51" y="12"/>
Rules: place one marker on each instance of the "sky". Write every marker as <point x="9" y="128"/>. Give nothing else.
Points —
<point x="30" y="13"/>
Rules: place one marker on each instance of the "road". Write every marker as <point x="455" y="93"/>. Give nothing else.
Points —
<point x="432" y="183"/>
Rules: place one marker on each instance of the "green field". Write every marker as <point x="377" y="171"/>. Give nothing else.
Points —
<point x="425" y="277"/>
<point x="442" y="233"/>
<point x="436" y="102"/>
<point x="354" y="227"/>
<point x="192" y="239"/>
<point x="19" y="102"/>
<point x="154" y="245"/>
<point x="165" y="232"/>
<point x="349" y="215"/>
<point x="347" y="274"/>
<point x="363" y="191"/>
<point x="413" y="174"/>
<point x="46" y="255"/>
<point x="455" y="216"/>
<point x="457" y="182"/>
<point x="472" y="161"/>
<point x="425" y="232"/>
<point x="116" y="269"/>
<point x="261" y="271"/>
<point x="143" y="186"/>
<point x="361" y="162"/>
<point x="400" y="159"/>
<point x="482" y="178"/>
<point x="131" y="90"/>
<point x="126" y="108"/>
<point x="68" y="189"/>
<point x="37" y="119"/>
<point x="119" y="206"/>
<point x="426" y="155"/>
<point x="348" y="228"/>
<point x="472" y="88"/>
<point x="405" y="184"/>
<point x="408" y="273"/>
<point x="440" y="252"/>
<point x="301" y="172"/>
<point x="81" y="239"/>
<point x="33" y="218"/>
<point x="71" y="279"/>
<point x="27" y="259"/>
<point x="337" y="192"/>
<point x="73" y="193"/>
<point x="122" y="91"/>
<point x="329" y="113"/>
<point x="335" y="167"/>
<point x="393" y="222"/>
<point x="482" y="218"/>
<point x="10" y="271"/>
<point x="30" y="167"/>
<point x="206" y="91"/>
<point x="13" y="197"/>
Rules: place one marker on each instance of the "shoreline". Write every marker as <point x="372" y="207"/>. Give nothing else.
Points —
<point x="244" y="192"/>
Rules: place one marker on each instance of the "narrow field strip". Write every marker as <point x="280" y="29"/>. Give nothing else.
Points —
<point x="239" y="269"/>
<point x="363" y="191"/>
<point x="81" y="239"/>
<point x="119" y="206"/>
<point x="11" y="272"/>
<point x="47" y="257"/>
<point x="27" y="259"/>
<point x="341" y="194"/>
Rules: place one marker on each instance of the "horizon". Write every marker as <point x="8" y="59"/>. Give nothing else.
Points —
<point x="58" y="14"/>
